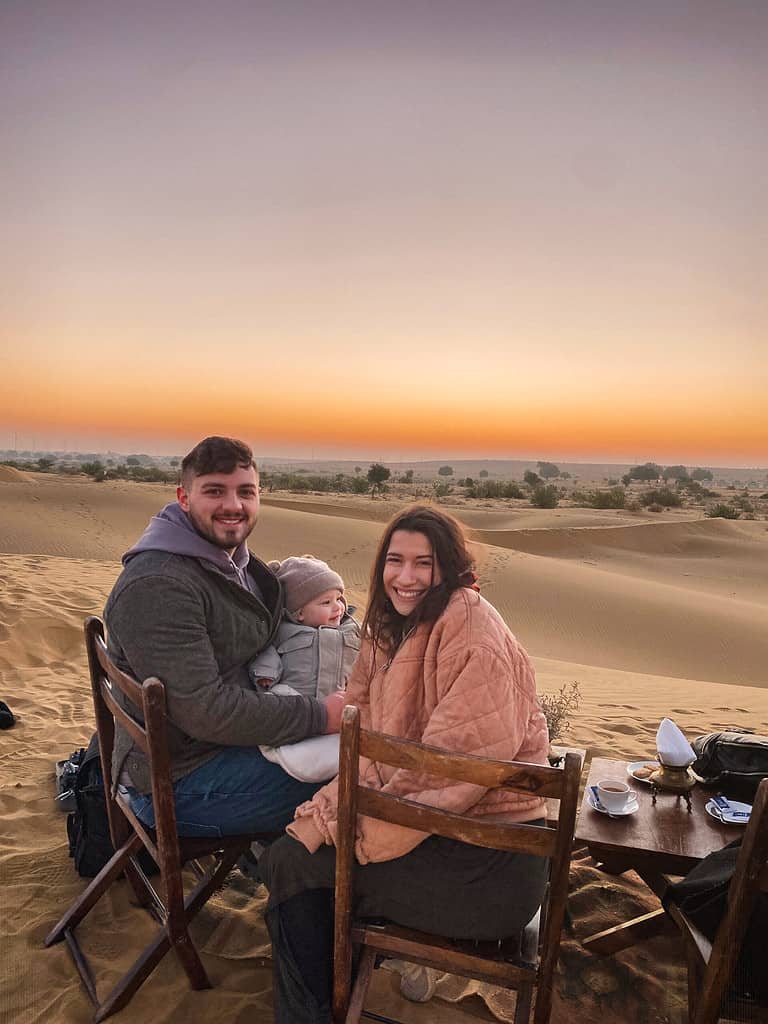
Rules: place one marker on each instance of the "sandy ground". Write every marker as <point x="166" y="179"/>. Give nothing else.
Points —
<point x="652" y="618"/>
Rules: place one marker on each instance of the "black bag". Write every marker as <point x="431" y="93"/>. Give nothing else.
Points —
<point x="736" y="761"/>
<point x="90" y="843"/>
<point x="703" y="897"/>
<point x="88" y="825"/>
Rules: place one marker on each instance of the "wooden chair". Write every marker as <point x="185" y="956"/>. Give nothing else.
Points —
<point x="711" y="964"/>
<point x="520" y="962"/>
<point x="171" y="908"/>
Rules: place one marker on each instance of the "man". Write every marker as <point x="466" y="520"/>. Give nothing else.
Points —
<point x="192" y="607"/>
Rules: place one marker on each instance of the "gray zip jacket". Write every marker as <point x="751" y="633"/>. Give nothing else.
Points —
<point x="184" y="611"/>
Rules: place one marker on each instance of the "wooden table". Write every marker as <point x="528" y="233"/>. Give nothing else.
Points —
<point x="656" y="842"/>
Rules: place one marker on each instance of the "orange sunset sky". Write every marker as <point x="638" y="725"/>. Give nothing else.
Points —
<point x="501" y="229"/>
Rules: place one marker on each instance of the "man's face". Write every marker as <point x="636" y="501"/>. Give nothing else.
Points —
<point x="223" y="507"/>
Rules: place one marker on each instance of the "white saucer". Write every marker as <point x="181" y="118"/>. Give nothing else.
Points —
<point x="714" y="812"/>
<point x="629" y="809"/>
<point x="633" y="765"/>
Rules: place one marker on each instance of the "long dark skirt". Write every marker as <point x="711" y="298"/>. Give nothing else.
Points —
<point x="443" y="886"/>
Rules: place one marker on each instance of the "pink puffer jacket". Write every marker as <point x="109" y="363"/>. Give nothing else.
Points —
<point x="463" y="683"/>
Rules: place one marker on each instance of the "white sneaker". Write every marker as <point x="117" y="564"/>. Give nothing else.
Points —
<point x="417" y="983"/>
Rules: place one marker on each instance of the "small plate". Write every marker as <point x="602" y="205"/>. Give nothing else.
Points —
<point x="714" y="812"/>
<point x="634" y="765"/>
<point x="630" y="809"/>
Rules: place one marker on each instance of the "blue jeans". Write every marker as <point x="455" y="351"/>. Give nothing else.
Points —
<point x="238" y="792"/>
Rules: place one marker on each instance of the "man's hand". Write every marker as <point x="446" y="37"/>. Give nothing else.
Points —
<point x="334" y="705"/>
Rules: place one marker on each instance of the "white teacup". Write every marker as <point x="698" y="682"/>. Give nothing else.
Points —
<point x="615" y="796"/>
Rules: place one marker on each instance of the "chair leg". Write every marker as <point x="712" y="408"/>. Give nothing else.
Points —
<point x="129" y="984"/>
<point x="188" y="958"/>
<point x="141" y="894"/>
<point x="93" y="892"/>
<point x="523" y="1003"/>
<point x="694" y="978"/>
<point x="543" y="1008"/>
<point x="123" y="992"/>
<point x="709" y="998"/>
<point x="360" y="988"/>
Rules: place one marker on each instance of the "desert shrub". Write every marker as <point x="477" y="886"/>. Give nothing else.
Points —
<point x="558" y="708"/>
<point x="614" y="498"/>
<point x="93" y="469"/>
<point x="531" y="479"/>
<point x="655" y="507"/>
<point x="359" y="485"/>
<point x="545" y="496"/>
<point x="695" y="489"/>
<point x="744" y="504"/>
<point x="441" y="488"/>
<point x="495" y="489"/>
<point x="723" y="511"/>
<point x="663" y="496"/>
<point x="149" y="474"/>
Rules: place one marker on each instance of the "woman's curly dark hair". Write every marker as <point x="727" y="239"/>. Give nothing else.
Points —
<point x="451" y="554"/>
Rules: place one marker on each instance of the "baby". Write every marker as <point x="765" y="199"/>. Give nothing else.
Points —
<point x="314" y="649"/>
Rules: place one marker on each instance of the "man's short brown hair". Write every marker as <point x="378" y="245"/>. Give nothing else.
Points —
<point x="216" y="455"/>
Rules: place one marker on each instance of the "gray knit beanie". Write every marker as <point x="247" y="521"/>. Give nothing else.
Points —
<point x="304" y="578"/>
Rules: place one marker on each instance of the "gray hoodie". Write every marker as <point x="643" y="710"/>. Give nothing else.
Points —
<point x="184" y="611"/>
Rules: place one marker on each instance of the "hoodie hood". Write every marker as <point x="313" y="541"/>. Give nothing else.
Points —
<point x="171" y="530"/>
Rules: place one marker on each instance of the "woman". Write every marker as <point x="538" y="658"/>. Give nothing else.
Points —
<point x="437" y="665"/>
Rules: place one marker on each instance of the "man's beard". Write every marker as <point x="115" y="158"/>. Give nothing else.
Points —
<point x="218" y="541"/>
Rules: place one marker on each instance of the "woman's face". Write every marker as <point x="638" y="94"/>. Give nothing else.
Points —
<point x="410" y="570"/>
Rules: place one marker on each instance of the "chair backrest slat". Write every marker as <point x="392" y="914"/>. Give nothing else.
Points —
<point x="137" y="731"/>
<point x="125" y="683"/>
<point x="478" y="832"/>
<point x="535" y="779"/>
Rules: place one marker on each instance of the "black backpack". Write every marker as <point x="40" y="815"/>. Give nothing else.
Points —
<point x="88" y="825"/>
<point x="90" y="843"/>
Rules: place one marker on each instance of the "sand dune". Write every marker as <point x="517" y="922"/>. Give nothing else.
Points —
<point x="651" y="618"/>
<point x="11" y="475"/>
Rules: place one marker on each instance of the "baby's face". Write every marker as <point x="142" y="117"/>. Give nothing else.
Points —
<point x="326" y="609"/>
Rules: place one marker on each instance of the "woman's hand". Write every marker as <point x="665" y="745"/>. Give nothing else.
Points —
<point x="334" y="705"/>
